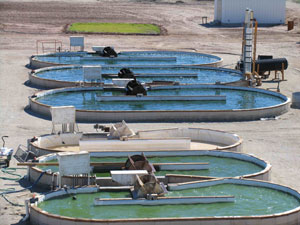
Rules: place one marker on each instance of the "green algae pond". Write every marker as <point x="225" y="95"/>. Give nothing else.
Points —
<point x="249" y="201"/>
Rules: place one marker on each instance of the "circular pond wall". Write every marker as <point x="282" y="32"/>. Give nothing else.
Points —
<point x="125" y="59"/>
<point x="241" y="104"/>
<point x="219" y="140"/>
<point x="71" y="76"/>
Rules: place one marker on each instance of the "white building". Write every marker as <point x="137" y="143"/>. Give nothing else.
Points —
<point x="265" y="11"/>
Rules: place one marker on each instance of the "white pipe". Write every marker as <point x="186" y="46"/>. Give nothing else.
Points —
<point x="27" y="211"/>
<point x="161" y="98"/>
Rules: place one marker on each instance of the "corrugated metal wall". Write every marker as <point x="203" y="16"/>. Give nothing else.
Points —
<point x="218" y="10"/>
<point x="265" y="11"/>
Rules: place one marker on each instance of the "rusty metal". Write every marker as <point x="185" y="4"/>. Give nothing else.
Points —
<point x="139" y="162"/>
<point x="148" y="186"/>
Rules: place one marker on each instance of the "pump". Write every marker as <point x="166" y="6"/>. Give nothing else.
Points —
<point x="134" y="87"/>
<point x="126" y="73"/>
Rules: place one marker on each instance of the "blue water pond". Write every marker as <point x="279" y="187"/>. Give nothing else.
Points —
<point x="191" y="75"/>
<point x="132" y="58"/>
<point x="236" y="98"/>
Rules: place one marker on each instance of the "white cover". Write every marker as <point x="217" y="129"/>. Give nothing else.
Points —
<point x="71" y="163"/>
<point x="63" y="114"/>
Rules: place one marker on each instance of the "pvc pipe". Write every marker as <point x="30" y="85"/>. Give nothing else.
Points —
<point x="27" y="211"/>
<point x="161" y="98"/>
<point x="130" y="58"/>
<point x="165" y="201"/>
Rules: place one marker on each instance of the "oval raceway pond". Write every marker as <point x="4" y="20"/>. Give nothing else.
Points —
<point x="219" y="166"/>
<point x="129" y="58"/>
<point x="72" y="75"/>
<point x="245" y="103"/>
<point x="249" y="201"/>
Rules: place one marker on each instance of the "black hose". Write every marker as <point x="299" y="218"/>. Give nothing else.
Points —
<point x="27" y="188"/>
<point x="3" y="140"/>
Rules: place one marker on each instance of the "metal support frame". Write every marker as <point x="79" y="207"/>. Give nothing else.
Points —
<point x="249" y="48"/>
<point x="73" y="127"/>
<point x="247" y="42"/>
<point x="282" y="73"/>
<point x="57" y="45"/>
<point x="276" y="77"/>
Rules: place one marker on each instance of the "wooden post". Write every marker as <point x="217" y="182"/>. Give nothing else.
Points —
<point x="282" y="71"/>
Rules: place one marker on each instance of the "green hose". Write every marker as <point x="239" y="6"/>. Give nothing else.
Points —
<point x="8" y="189"/>
<point x="11" y="171"/>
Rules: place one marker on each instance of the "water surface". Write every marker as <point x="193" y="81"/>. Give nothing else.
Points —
<point x="235" y="99"/>
<point x="180" y="58"/>
<point x="197" y="75"/>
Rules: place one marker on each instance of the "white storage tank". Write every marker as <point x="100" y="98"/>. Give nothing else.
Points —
<point x="265" y="11"/>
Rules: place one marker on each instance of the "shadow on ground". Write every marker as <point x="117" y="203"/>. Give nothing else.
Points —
<point x="220" y="26"/>
<point x="31" y="113"/>
<point x="21" y="222"/>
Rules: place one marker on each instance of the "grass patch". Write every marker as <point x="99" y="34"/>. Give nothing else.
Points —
<point x="115" y="28"/>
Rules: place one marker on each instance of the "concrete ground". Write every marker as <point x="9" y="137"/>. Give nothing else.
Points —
<point x="22" y="23"/>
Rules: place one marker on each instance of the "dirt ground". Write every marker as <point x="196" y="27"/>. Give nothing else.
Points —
<point x="23" y="23"/>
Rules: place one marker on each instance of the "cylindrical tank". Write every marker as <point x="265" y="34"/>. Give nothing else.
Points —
<point x="271" y="64"/>
<point x="296" y="100"/>
<point x="264" y="57"/>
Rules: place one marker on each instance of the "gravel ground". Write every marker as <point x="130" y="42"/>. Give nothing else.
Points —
<point x="22" y="23"/>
